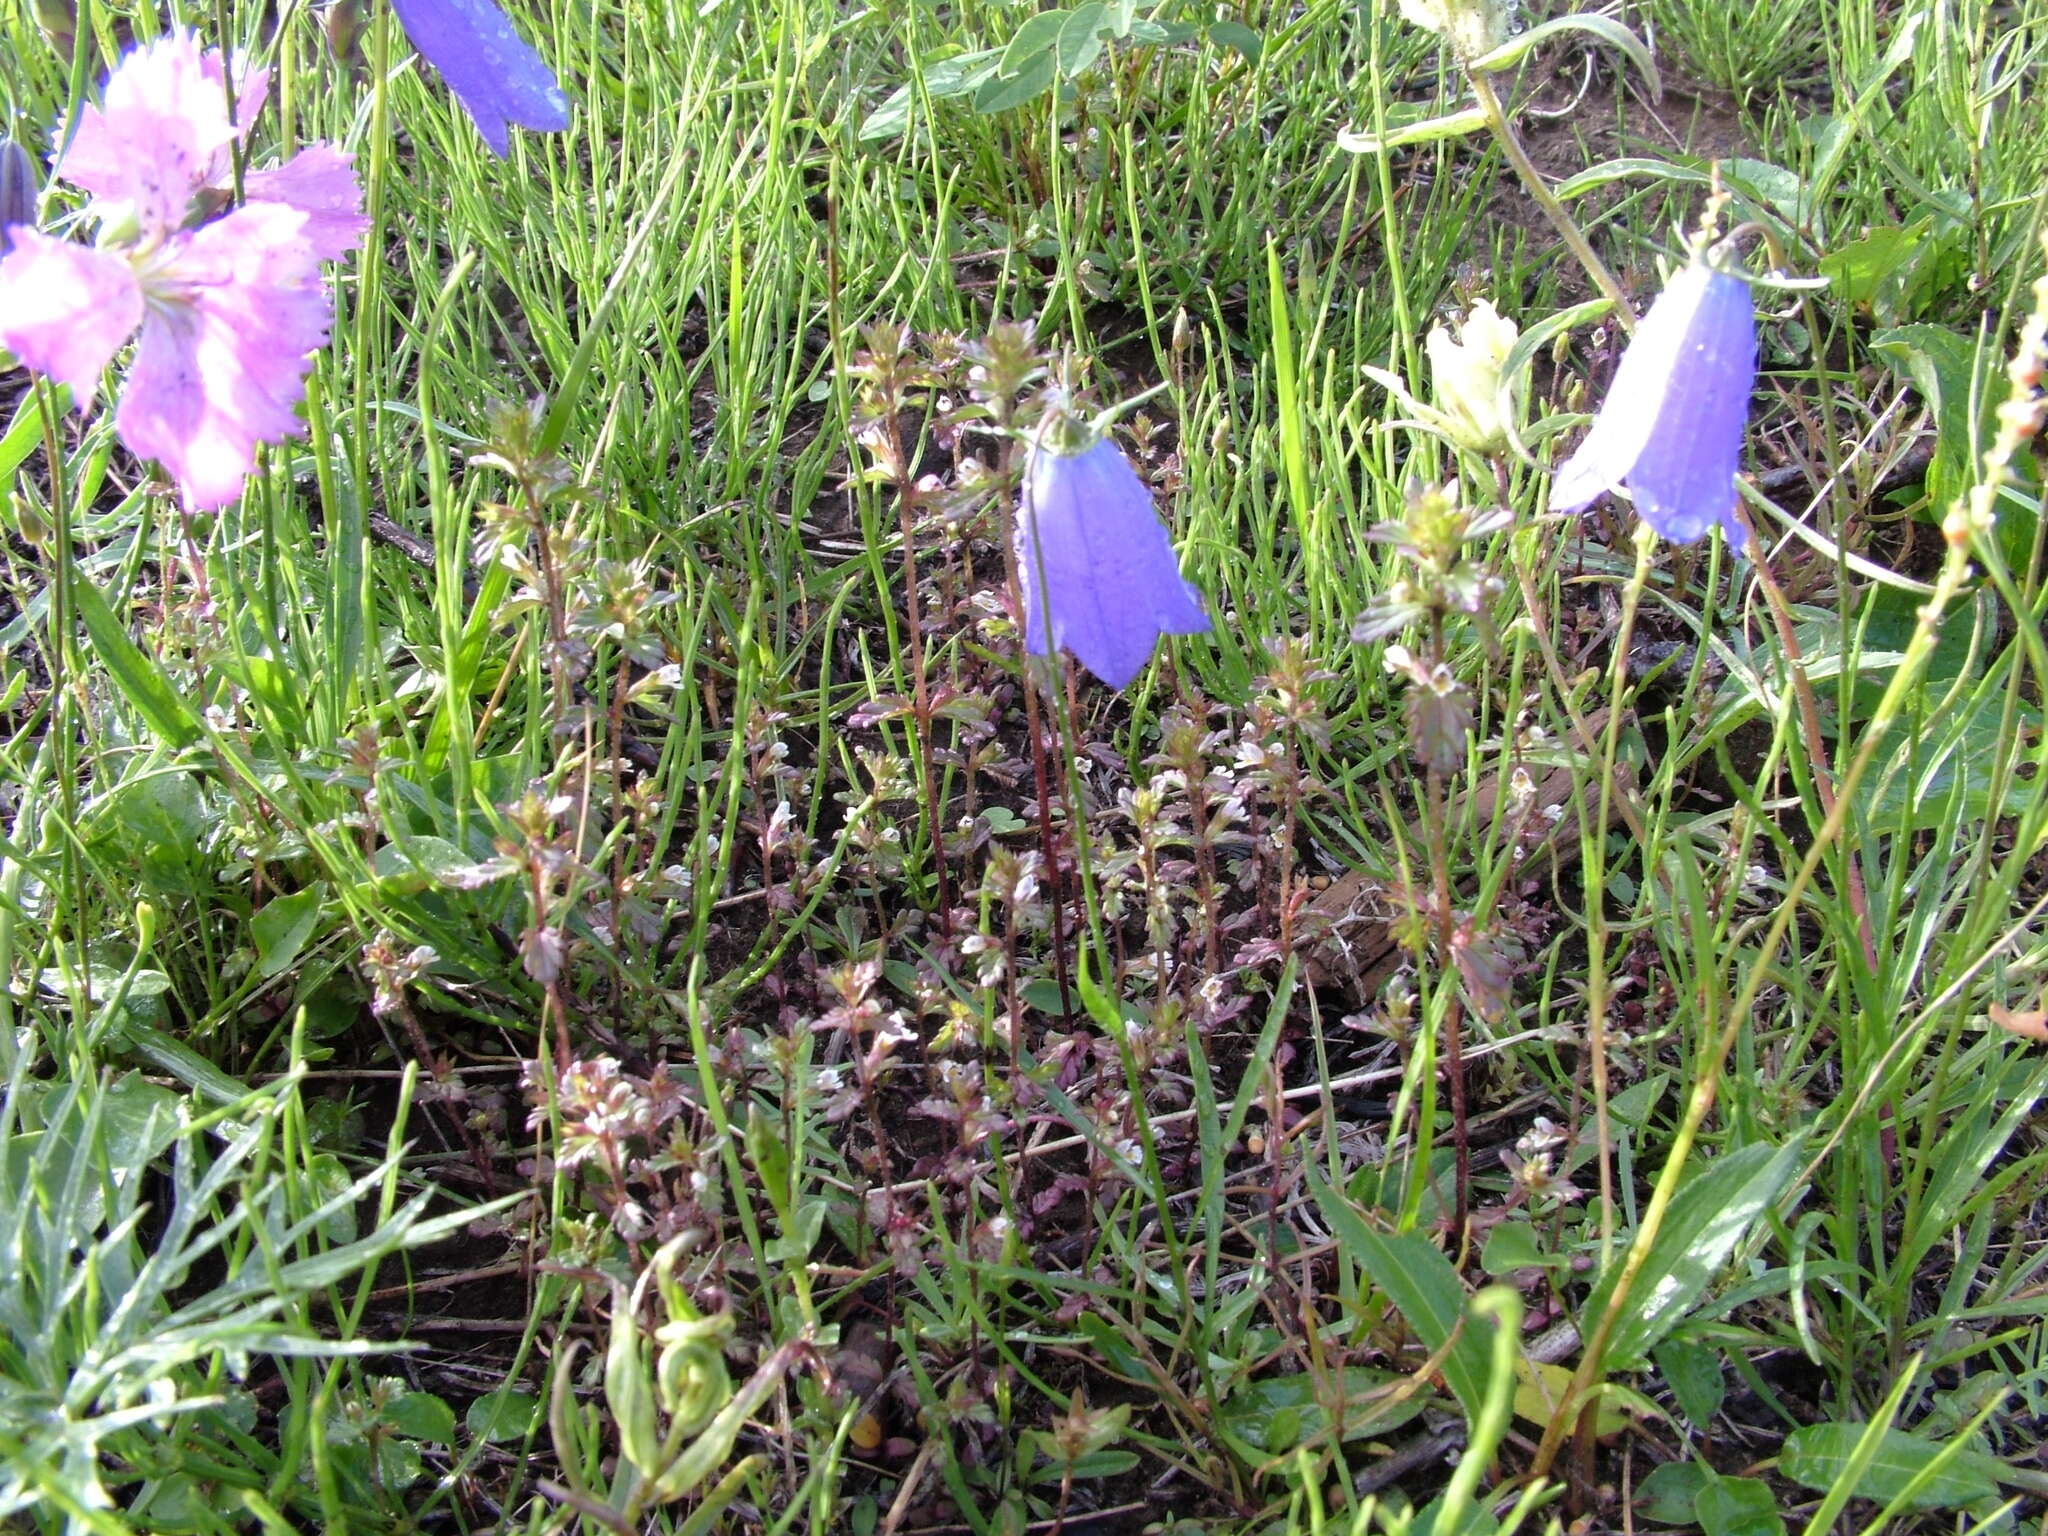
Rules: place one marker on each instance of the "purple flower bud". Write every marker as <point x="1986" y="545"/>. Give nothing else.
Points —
<point x="492" y="72"/>
<point x="1092" y="552"/>
<point x="17" y="191"/>
<point x="1671" y="427"/>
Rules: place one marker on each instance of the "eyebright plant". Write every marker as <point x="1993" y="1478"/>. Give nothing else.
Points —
<point x="228" y="306"/>
<point x="1096" y="571"/>
<point x="493" y="72"/>
<point x="1671" y="427"/>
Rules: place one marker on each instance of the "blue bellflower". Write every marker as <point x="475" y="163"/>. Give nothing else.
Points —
<point x="491" y="70"/>
<point x="18" y="189"/>
<point x="1110" y="579"/>
<point x="1672" y="424"/>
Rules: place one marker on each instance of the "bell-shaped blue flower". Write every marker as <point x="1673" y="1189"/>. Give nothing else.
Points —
<point x="17" y="191"/>
<point x="1672" y="425"/>
<point x="1097" y="572"/>
<point x="489" y="67"/>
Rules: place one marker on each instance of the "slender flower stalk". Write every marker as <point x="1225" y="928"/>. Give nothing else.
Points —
<point x="1567" y="228"/>
<point x="1970" y="524"/>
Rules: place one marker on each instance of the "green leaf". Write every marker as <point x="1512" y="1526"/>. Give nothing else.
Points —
<point x="1713" y="1212"/>
<point x="1281" y="1412"/>
<point x="1739" y="1506"/>
<point x="281" y="929"/>
<point x="423" y="1416"/>
<point x="418" y="864"/>
<point x="629" y="1389"/>
<point x="1032" y="43"/>
<point x="1942" y="366"/>
<point x="398" y="1463"/>
<point x="1000" y="93"/>
<point x="1605" y="28"/>
<point x="961" y="75"/>
<point x="279" y="688"/>
<point x="1411" y="123"/>
<point x="1821" y="1454"/>
<point x="1762" y="191"/>
<point x="1862" y="270"/>
<point x="1512" y="1246"/>
<point x="1239" y="38"/>
<point x="1953" y="374"/>
<point x="1421" y="1284"/>
<point x="1632" y="1106"/>
<point x="1094" y="1464"/>
<point x="169" y="1054"/>
<point x="1080" y="40"/>
<point x="1669" y="1495"/>
<point x="1956" y="756"/>
<point x="506" y="1414"/>
<point x="25" y="433"/>
<point x="325" y="1177"/>
<point x="141" y="681"/>
<point x="1106" y="1344"/>
<point x="1693" y="1372"/>
<point x="160" y="821"/>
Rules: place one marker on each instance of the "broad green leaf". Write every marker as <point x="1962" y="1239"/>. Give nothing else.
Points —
<point x="1080" y="40"/>
<point x="1541" y="1388"/>
<point x="1693" y="1372"/>
<point x="1739" y="1506"/>
<point x="1421" y="1284"/>
<point x="1670" y="1494"/>
<point x="423" y="1416"/>
<point x="1511" y="1246"/>
<point x="1959" y="381"/>
<point x="1861" y="271"/>
<point x="1239" y="38"/>
<point x="281" y="928"/>
<point x="1821" y="1454"/>
<point x="1002" y="92"/>
<point x="160" y="822"/>
<point x="1281" y="1412"/>
<point x="1957" y="757"/>
<point x="398" y="1463"/>
<point x="961" y="75"/>
<point x="506" y="1414"/>
<point x="1033" y="42"/>
<point x="1713" y="1212"/>
<point x="418" y="864"/>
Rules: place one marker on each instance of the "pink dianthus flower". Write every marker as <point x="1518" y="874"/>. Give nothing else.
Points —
<point x="228" y="308"/>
